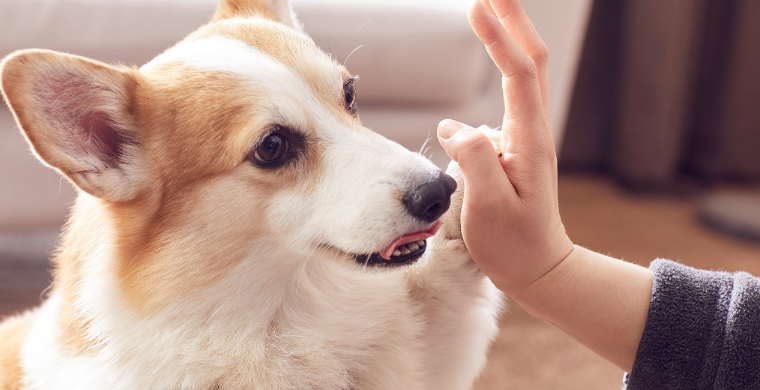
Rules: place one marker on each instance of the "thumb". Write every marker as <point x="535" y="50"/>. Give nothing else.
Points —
<point x="477" y="157"/>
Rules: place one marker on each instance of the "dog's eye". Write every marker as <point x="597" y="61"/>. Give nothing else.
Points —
<point x="271" y="149"/>
<point x="281" y="145"/>
<point x="350" y="95"/>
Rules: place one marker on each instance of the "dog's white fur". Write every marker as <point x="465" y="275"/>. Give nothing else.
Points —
<point x="293" y="312"/>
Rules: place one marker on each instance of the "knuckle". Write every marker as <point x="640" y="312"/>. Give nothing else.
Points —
<point x="540" y="55"/>
<point x="476" y="142"/>
<point x="528" y="67"/>
<point x="549" y="154"/>
<point x="491" y="40"/>
<point x="506" y="14"/>
<point x="525" y="69"/>
<point x="546" y="151"/>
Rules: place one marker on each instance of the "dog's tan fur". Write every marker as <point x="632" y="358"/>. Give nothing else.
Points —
<point x="13" y="331"/>
<point x="271" y="39"/>
<point x="242" y="8"/>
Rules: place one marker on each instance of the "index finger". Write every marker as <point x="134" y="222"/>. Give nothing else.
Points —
<point x="518" y="25"/>
<point x="524" y="118"/>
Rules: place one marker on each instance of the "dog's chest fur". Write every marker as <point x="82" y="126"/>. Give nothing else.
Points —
<point x="328" y="333"/>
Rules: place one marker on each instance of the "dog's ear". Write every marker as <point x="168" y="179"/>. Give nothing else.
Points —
<point x="77" y="114"/>
<point x="277" y="10"/>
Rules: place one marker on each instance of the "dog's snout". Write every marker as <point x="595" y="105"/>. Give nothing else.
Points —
<point x="429" y="200"/>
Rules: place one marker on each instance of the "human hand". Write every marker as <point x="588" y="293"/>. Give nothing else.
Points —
<point x="510" y="213"/>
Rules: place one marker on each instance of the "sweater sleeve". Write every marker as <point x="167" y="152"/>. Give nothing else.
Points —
<point x="702" y="331"/>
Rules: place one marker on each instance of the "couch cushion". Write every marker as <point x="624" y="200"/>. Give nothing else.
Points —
<point x="406" y="50"/>
<point x="412" y="52"/>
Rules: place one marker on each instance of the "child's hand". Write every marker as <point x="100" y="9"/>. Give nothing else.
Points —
<point x="510" y="215"/>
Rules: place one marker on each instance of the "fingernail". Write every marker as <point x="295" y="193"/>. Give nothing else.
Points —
<point x="449" y="127"/>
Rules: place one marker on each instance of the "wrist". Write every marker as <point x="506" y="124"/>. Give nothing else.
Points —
<point x="532" y="296"/>
<point x="528" y="270"/>
<point x="596" y="299"/>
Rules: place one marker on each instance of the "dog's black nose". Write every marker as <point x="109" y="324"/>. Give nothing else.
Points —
<point x="428" y="201"/>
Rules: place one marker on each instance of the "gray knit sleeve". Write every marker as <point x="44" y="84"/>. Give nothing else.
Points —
<point x="702" y="331"/>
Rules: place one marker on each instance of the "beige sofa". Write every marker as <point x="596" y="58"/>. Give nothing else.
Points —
<point x="419" y="62"/>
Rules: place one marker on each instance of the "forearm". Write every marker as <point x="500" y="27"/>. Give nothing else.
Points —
<point x="600" y="301"/>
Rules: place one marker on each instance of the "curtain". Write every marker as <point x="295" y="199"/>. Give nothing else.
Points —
<point x="668" y="91"/>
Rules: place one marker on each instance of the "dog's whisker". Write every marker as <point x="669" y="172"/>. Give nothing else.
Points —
<point x="45" y="291"/>
<point x="276" y="109"/>
<point x="352" y="52"/>
<point x="362" y="26"/>
<point x="132" y="260"/>
<point x="424" y="144"/>
<point x="429" y="137"/>
<point x="303" y="267"/>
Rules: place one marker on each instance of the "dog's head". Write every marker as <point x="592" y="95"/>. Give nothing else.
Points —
<point x="241" y="143"/>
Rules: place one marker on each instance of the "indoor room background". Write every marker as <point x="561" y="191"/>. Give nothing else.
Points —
<point x="654" y="108"/>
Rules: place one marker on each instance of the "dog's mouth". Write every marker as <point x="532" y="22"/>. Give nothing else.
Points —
<point x="404" y="250"/>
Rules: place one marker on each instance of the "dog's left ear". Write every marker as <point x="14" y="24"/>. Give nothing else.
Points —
<point x="79" y="117"/>
<point x="277" y="10"/>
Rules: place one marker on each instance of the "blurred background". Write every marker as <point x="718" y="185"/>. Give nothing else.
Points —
<point x="653" y="106"/>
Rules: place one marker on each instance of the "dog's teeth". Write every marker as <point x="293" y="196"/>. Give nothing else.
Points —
<point x="413" y="246"/>
<point x="421" y="243"/>
<point x="405" y="251"/>
<point x="396" y="252"/>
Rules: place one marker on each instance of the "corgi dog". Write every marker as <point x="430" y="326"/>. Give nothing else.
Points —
<point x="236" y="227"/>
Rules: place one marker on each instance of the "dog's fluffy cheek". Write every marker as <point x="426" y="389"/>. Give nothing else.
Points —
<point x="203" y="234"/>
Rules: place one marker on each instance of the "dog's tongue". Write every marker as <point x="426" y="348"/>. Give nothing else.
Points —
<point x="387" y="252"/>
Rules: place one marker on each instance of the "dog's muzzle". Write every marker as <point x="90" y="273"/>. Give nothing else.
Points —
<point x="425" y="202"/>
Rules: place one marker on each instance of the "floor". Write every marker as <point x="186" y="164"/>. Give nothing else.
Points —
<point x="528" y="354"/>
